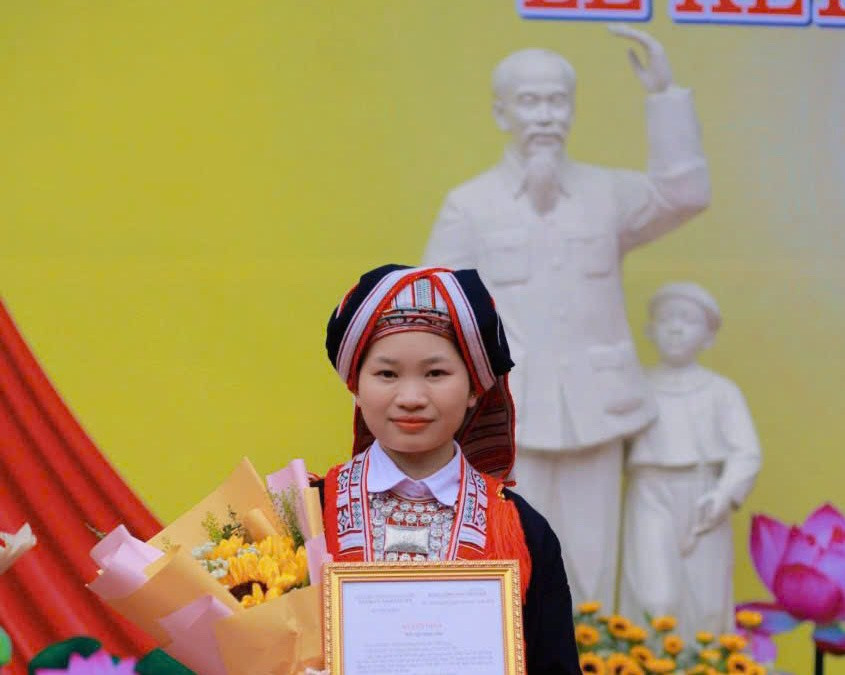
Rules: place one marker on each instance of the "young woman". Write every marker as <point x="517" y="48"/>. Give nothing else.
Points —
<point x="424" y="353"/>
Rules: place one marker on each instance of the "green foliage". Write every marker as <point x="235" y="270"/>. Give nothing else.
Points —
<point x="284" y="503"/>
<point x="217" y="532"/>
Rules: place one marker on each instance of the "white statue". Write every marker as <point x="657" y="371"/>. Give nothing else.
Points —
<point x="547" y="235"/>
<point x="686" y="473"/>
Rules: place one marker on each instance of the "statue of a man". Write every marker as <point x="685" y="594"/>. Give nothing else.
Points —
<point x="547" y="235"/>
<point x="687" y="472"/>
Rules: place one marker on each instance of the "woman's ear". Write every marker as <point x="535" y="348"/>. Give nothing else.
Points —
<point x="472" y="400"/>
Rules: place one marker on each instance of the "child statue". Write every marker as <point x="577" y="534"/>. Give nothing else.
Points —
<point x="686" y="473"/>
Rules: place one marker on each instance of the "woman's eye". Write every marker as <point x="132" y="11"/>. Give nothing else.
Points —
<point x="436" y="373"/>
<point x="387" y="374"/>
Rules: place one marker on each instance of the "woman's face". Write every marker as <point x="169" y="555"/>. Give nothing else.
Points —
<point x="413" y="391"/>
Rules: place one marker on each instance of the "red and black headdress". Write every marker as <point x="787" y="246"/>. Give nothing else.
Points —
<point x="454" y="304"/>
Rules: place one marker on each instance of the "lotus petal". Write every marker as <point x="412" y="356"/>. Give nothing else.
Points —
<point x="808" y="594"/>
<point x="822" y="522"/>
<point x="768" y="543"/>
<point x="801" y="549"/>
<point x="763" y="648"/>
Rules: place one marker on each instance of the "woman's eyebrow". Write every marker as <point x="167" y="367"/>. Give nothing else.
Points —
<point x="437" y="358"/>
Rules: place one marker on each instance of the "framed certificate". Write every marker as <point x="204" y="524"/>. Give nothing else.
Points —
<point x="423" y="618"/>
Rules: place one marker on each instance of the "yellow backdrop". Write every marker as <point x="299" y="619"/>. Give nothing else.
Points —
<point x="186" y="188"/>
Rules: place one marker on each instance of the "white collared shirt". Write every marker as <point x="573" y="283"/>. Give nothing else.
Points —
<point x="443" y="484"/>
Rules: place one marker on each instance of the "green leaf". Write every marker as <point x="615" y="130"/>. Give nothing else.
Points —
<point x="58" y="654"/>
<point x="5" y="647"/>
<point x="158" y="662"/>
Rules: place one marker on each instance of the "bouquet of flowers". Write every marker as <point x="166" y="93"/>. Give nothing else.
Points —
<point x="226" y="588"/>
<point x="613" y="645"/>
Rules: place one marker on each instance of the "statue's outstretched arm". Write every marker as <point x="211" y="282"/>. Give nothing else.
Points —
<point x="655" y="73"/>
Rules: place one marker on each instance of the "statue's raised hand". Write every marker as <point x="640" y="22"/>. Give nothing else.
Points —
<point x="655" y="73"/>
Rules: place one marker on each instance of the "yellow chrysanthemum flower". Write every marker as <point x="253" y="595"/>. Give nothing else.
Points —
<point x="622" y="664"/>
<point x="641" y="653"/>
<point x="635" y="634"/>
<point x="749" y="619"/>
<point x="699" y="669"/>
<point x="757" y="669"/>
<point x="739" y="663"/>
<point x="632" y="668"/>
<point x="704" y="637"/>
<point x="673" y="644"/>
<point x="710" y="655"/>
<point x="660" y="666"/>
<point x="592" y="664"/>
<point x="585" y="635"/>
<point x="663" y="624"/>
<point x="618" y="625"/>
<point x="733" y="643"/>
<point x="589" y="607"/>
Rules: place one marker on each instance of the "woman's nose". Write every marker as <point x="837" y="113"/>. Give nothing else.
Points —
<point x="411" y="394"/>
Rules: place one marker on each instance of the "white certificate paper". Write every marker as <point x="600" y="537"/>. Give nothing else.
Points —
<point x="423" y="627"/>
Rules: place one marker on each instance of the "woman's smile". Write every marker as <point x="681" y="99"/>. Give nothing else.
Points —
<point x="411" y="425"/>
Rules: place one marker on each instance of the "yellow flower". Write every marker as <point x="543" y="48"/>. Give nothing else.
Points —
<point x="635" y="634"/>
<point x="710" y="655"/>
<point x="739" y="663"/>
<point x="641" y="653"/>
<point x="226" y="548"/>
<point x="699" y="669"/>
<point x="586" y="635"/>
<point x="276" y="546"/>
<point x="660" y="666"/>
<point x="618" y="626"/>
<point x="255" y="597"/>
<point x="632" y="668"/>
<point x="673" y="644"/>
<point x="733" y="643"/>
<point x="704" y="637"/>
<point x="622" y="664"/>
<point x="589" y="607"/>
<point x="591" y="663"/>
<point x="757" y="669"/>
<point x="664" y="624"/>
<point x="749" y="619"/>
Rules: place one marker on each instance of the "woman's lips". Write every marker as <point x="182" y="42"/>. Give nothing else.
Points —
<point x="412" y="425"/>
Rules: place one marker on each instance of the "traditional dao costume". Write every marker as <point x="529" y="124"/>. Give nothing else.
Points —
<point x="374" y="512"/>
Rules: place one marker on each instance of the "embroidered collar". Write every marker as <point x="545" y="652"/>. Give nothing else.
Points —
<point x="384" y="475"/>
<point x="354" y="527"/>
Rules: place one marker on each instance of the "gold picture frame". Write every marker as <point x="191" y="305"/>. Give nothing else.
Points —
<point x="471" y="581"/>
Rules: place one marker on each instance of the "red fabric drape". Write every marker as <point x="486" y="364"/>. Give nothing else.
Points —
<point x="54" y="477"/>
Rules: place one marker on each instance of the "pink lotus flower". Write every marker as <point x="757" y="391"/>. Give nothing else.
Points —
<point x="804" y="568"/>
<point x="99" y="663"/>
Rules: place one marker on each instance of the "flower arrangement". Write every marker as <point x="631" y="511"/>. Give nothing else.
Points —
<point x="803" y="566"/>
<point x="614" y="645"/>
<point x="225" y="588"/>
<point x="254" y="571"/>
